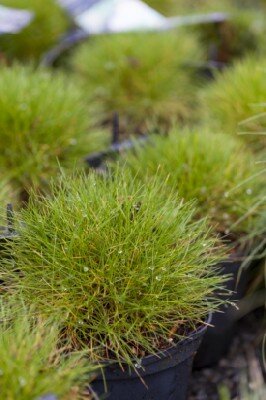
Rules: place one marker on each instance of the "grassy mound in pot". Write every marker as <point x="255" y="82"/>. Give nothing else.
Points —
<point x="142" y="76"/>
<point x="125" y="270"/>
<point x="207" y="167"/>
<point x="33" y="362"/>
<point x="236" y="101"/>
<point x="43" y="121"/>
<point x="48" y="25"/>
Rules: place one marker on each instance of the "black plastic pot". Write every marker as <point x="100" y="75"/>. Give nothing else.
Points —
<point x="219" y="336"/>
<point x="7" y="233"/>
<point x="166" y="376"/>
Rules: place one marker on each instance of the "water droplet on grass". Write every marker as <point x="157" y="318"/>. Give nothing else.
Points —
<point x="138" y="365"/>
<point x="22" y="381"/>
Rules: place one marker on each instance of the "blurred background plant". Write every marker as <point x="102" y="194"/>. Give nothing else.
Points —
<point x="244" y="31"/>
<point x="47" y="27"/>
<point x="198" y="165"/>
<point x="44" y="122"/>
<point x="142" y="76"/>
<point x="236" y="101"/>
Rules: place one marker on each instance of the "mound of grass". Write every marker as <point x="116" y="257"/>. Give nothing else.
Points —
<point x="141" y="76"/>
<point x="43" y="122"/>
<point x="48" y="25"/>
<point x="207" y="167"/>
<point x="120" y="266"/>
<point x="243" y="32"/>
<point x="236" y="101"/>
<point x="33" y="362"/>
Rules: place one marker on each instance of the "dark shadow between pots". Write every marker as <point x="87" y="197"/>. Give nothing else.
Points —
<point x="219" y="336"/>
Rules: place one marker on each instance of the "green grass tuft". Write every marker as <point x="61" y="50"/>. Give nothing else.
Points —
<point x="119" y="265"/>
<point x="142" y="76"/>
<point x="33" y="363"/>
<point x="236" y="101"/>
<point x="43" y="121"/>
<point x="48" y="25"/>
<point x="207" y="167"/>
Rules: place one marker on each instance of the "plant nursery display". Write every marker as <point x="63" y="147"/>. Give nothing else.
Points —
<point x="126" y="273"/>
<point x="49" y="23"/>
<point x="236" y="101"/>
<point x="43" y="123"/>
<point x="33" y="363"/>
<point x="143" y="76"/>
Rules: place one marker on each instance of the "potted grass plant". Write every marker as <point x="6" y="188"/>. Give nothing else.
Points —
<point x="236" y="101"/>
<point x="142" y="76"/>
<point x="127" y="273"/>
<point x="34" y="364"/>
<point x="44" y="121"/>
<point x="49" y="23"/>
<point x="198" y="165"/>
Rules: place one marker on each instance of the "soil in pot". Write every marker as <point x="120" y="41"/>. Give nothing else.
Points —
<point x="162" y="377"/>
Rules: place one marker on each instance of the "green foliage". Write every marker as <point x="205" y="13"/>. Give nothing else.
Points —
<point x="207" y="167"/>
<point x="166" y="7"/>
<point x="48" y="25"/>
<point x="33" y="363"/>
<point x="142" y="76"/>
<point x="43" y="121"/>
<point x="119" y="265"/>
<point x="244" y="31"/>
<point x="236" y="101"/>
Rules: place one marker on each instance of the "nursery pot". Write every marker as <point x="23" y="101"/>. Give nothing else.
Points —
<point x="161" y="377"/>
<point x="220" y="334"/>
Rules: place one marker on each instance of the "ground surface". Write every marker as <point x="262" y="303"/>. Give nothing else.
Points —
<point x="243" y="360"/>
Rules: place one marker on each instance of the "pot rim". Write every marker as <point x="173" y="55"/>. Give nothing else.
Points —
<point x="160" y="355"/>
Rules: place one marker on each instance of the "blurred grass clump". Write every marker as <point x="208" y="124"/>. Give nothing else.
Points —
<point x="243" y="31"/>
<point x="209" y="167"/>
<point x="49" y="23"/>
<point x="144" y="76"/>
<point x="43" y="122"/>
<point x="236" y="101"/>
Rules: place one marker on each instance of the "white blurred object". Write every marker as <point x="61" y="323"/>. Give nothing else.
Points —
<point x="13" y="20"/>
<point x="113" y="16"/>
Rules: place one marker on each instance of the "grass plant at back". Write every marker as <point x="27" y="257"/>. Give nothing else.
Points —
<point x="43" y="121"/>
<point x="123" y="269"/>
<point x="244" y="29"/>
<point x="33" y="362"/>
<point x="141" y="76"/>
<point x="236" y="101"/>
<point x="48" y="25"/>
<point x="210" y="168"/>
